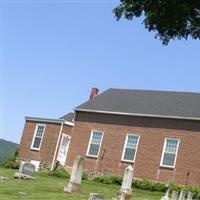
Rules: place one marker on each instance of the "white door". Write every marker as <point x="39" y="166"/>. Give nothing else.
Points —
<point x="62" y="153"/>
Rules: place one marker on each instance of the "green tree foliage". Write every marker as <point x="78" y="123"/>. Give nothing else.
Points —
<point x="169" y="19"/>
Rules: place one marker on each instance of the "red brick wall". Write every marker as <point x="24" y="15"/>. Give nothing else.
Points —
<point x="152" y="133"/>
<point x="48" y="144"/>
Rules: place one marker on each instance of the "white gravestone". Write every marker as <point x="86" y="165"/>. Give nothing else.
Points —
<point x="166" y="197"/>
<point x="182" y="195"/>
<point x="125" y="190"/>
<point x="189" y="196"/>
<point x="95" y="196"/>
<point x="174" y="195"/>
<point x="74" y="184"/>
<point x="25" y="171"/>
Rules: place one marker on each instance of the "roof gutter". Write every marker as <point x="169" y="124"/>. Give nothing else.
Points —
<point x="137" y="114"/>
<point x="49" y="120"/>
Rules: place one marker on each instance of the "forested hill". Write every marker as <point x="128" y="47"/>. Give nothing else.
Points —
<point x="7" y="149"/>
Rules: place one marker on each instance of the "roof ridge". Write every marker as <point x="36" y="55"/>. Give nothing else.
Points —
<point x="152" y="90"/>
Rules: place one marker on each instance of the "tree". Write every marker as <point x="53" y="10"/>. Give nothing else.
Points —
<point x="170" y="19"/>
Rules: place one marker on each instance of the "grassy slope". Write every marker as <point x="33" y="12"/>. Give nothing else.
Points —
<point x="51" y="188"/>
<point x="7" y="149"/>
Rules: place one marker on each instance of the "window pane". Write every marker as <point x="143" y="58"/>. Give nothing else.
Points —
<point x="95" y="143"/>
<point x="132" y="142"/>
<point x="94" y="148"/>
<point x="40" y="130"/>
<point x="36" y="143"/>
<point x="96" y="138"/>
<point x="129" y="154"/>
<point x="169" y="159"/>
<point x="130" y="147"/>
<point x="171" y="146"/>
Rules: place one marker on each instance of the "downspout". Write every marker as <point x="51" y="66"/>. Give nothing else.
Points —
<point x="55" y="153"/>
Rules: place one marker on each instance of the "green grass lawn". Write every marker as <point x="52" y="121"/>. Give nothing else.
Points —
<point x="51" y="188"/>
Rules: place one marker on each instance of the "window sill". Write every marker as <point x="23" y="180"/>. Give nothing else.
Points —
<point x="92" y="157"/>
<point x="32" y="149"/>
<point x="127" y="161"/>
<point x="166" y="167"/>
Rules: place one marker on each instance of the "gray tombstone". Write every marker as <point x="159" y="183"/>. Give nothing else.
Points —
<point x="25" y="171"/>
<point x="95" y="196"/>
<point x="189" y="196"/>
<point x="125" y="190"/>
<point x="182" y="195"/>
<point x="174" y="195"/>
<point x="74" y="184"/>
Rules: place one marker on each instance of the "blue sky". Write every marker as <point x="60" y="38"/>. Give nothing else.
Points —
<point x="53" y="53"/>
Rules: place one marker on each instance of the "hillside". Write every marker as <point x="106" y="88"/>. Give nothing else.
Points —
<point x="7" y="149"/>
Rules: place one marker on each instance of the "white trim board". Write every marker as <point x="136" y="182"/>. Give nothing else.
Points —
<point x="49" y="120"/>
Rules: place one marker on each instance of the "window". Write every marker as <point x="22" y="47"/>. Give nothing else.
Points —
<point x="39" y="131"/>
<point x="169" y="154"/>
<point x="94" y="143"/>
<point x="130" y="148"/>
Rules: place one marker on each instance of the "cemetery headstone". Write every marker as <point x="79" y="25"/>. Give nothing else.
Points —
<point x="95" y="196"/>
<point x="25" y="171"/>
<point x="174" y="195"/>
<point x="182" y="195"/>
<point x="74" y="184"/>
<point x="189" y="196"/>
<point x="125" y="190"/>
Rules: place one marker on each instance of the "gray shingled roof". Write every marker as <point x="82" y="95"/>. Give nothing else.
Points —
<point x="184" y="105"/>
<point x="68" y="117"/>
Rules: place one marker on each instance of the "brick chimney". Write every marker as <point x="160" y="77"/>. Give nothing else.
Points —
<point x="94" y="93"/>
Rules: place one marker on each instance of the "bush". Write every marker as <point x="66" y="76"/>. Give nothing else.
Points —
<point x="117" y="180"/>
<point x="10" y="161"/>
<point x="61" y="173"/>
<point x="85" y="176"/>
<point x="148" y="185"/>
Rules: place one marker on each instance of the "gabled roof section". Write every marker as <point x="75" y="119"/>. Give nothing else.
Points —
<point x="69" y="117"/>
<point x="162" y="104"/>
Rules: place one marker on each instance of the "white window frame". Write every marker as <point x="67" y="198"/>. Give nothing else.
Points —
<point x="36" y="128"/>
<point x="163" y="152"/>
<point x="124" y="148"/>
<point x="88" y="148"/>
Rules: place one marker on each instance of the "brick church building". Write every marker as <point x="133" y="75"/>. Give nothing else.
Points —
<point x="157" y="132"/>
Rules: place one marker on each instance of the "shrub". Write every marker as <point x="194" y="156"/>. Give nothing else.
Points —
<point x="148" y="185"/>
<point x="10" y="161"/>
<point x="158" y="187"/>
<point x="59" y="173"/>
<point x="85" y="176"/>
<point x="117" y="180"/>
